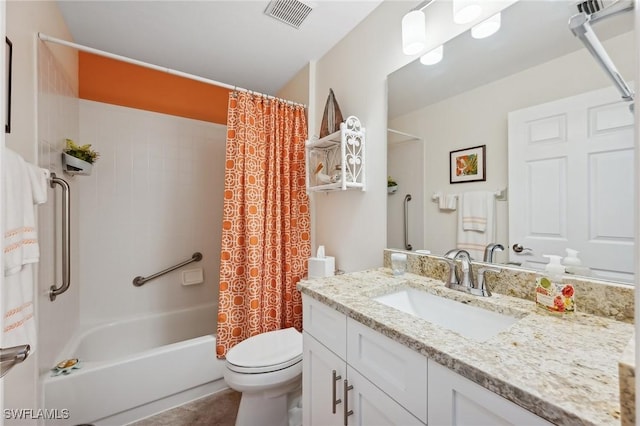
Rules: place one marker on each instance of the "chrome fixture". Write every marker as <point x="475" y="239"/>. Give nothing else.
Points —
<point x="580" y="26"/>
<point x="407" y="246"/>
<point x="138" y="281"/>
<point x="66" y="238"/>
<point x="518" y="248"/>
<point x="467" y="283"/>
<point x="489" y="250"/>
<point x="10" y="357"/>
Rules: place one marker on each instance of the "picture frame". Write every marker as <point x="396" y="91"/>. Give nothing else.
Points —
<point x="468" y="165"/>
<point x="8" y="64"/>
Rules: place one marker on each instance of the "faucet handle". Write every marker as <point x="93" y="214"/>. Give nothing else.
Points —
<point x="481" y="287"/>
<point x="453" y="271"/>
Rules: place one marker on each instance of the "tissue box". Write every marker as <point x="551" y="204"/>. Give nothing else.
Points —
<point x="322" y="267"/>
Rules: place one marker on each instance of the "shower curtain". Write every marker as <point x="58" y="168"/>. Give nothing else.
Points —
<point x="266" y="221"/>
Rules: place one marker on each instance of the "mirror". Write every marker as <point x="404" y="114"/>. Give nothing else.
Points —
<point x="464" y="102"/>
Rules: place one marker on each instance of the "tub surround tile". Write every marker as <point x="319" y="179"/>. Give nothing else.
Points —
<point x="595" y="297"/>
<point x="564" y="369"/>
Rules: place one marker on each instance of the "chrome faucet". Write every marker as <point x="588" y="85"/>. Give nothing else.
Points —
<point x="467" y="283"/>
<point x="490" y="249"/>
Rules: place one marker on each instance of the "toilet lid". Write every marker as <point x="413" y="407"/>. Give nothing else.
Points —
<point x="266" y="352"/>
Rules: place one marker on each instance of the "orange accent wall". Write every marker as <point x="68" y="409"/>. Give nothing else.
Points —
<point x="114" y="82"/>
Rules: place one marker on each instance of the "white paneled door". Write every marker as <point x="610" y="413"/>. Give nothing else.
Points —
<point x="571" y="182"/>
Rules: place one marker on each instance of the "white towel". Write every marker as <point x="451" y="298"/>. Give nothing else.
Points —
<point x="475" y="241"/>
<point x="446" y="202"/>
<point x="24" y="186"/>
<point x="474" y="207"/>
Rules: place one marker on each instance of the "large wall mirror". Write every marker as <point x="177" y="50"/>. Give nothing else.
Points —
<point x="532" y="85"/>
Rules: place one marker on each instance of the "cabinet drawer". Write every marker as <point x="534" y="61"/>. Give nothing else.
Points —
<point x="400" y="371"/>
<point x="325" y="324"/>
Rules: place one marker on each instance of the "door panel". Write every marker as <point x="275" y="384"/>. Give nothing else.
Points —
<point x="571" y="177"/>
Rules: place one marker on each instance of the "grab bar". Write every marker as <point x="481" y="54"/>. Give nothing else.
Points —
<point x="407" y="246"/>
<point x="66" y="238"/>
<point x="138" y="281"/>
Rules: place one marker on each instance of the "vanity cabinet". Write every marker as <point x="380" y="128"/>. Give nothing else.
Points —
<point x="456" y="400"/>
<point x="342" y="384"/>
<point x="337" y="161"/>
<point x="354" y="375"/>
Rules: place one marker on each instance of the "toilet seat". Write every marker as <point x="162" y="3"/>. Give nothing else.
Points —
<point x="266" y="352"/>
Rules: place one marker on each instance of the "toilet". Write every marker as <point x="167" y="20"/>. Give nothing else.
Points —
<point x="267" y="369"/>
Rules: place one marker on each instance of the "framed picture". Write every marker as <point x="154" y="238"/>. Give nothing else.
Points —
<point x="9" y="53"/>
<point x="467" y="165"/>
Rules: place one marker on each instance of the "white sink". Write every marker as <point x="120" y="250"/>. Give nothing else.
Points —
<point x="470" y="321"/>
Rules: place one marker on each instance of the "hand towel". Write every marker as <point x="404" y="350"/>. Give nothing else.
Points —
<point x="474" y="206"/>
<point x="446" y="202"/>
<point x="475" y="241"/>
<point x="24" y="186"/>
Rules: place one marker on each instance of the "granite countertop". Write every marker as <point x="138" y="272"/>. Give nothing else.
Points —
<point x="562" y="368"/>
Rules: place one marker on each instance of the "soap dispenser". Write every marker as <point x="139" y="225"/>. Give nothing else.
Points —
<point x="552" y="294"/>
<point x="573" y="265"/>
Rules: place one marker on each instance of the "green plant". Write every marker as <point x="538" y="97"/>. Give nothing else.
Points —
<point x="83" y="152"/>
<point x="391" y="182"/>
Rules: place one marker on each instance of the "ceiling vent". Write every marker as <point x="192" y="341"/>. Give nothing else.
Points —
<point x="593" y="6"/>
<point x="292" y="12"/>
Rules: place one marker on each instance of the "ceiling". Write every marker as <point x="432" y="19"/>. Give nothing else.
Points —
<point x="532" y="32"/>
<point x="233" y="42"/>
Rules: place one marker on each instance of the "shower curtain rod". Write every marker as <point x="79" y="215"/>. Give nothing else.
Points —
<point x="50" y="39"/>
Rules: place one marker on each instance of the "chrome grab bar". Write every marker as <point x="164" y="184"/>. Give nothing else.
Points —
<point x="138" y="281"/>
<point x="407" y="246"/>
<point x="9" y="357"/>
<point x="66" y="238"/>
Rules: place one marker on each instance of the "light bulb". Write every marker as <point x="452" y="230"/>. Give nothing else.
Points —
<point x="414" y="32"/>
<point x="433" y="56"/>
<point x="465" y="11"/>
<point x="487" y="27"/>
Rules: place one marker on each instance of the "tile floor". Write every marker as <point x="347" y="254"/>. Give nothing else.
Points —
<point x="219" y="409"/>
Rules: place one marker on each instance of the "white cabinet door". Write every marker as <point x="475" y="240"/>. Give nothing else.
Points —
<point x="457" y="401"/>
<point x="319" y="408"/>
<point x="372" y="407"/>
<point x="571" y="179"/>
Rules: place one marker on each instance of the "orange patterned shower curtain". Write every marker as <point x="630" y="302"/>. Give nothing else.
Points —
<point x="266" y="222"/>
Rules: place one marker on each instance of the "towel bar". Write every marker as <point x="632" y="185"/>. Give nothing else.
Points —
<point x="66" y="238"/>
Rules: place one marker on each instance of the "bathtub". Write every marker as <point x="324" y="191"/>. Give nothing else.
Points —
<point x="138" y="367"/>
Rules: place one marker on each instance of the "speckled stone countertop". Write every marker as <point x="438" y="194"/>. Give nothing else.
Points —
<point x="564" y="369"/>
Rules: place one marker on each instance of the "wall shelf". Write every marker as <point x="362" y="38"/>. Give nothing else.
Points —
<point x="337" y="162"/>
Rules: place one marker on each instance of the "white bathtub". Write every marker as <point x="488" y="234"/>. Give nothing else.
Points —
<point x="135" y="368"/>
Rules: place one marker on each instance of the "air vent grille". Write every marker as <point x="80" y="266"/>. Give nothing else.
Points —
<point x="592" y="6"/>
<point x="292" y="12"/>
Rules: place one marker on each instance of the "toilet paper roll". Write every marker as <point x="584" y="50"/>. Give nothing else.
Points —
<point x="322" y="267"/>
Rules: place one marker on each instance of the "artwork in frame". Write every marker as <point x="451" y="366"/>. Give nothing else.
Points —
<point x="8" y="57"/>
<point x="467" y="165"/>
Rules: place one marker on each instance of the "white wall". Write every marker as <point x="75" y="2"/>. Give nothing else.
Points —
<point x="153" y="199"/>
<point x="29" y="125"/>
<point x="352" y="225"/>
<point x="441" y="126"/>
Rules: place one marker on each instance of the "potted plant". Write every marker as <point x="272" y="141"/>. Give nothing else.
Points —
<point x="392" y="185"/>
<point x="78" y="159"/>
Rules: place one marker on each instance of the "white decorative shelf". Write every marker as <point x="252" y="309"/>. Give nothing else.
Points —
<point x="337" y="162"/>
<point x="75" y="166"/>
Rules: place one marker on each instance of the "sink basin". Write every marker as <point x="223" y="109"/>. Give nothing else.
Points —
<point x="469" y="321"/>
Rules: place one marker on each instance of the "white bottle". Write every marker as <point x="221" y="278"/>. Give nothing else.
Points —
<point x="573" y="265"/>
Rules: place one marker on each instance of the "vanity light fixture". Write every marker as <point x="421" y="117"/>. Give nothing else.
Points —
<point x="414" y="32"/>
<point x="487" y="27"/>
<point x="465" y="11"/>
<point x="432" y="57"/>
